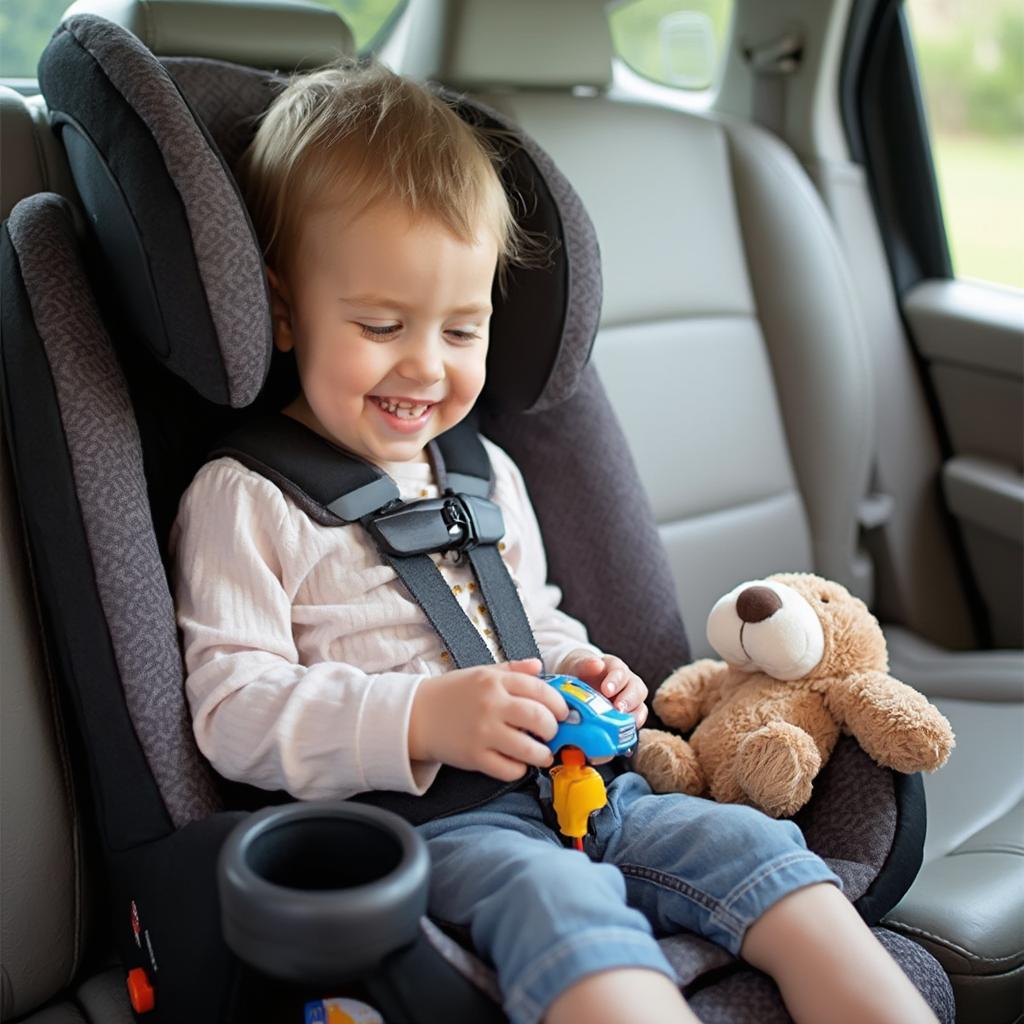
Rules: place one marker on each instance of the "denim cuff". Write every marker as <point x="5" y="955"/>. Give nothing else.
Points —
<point x="746" y="903"/>
<point x="528" y="998"/>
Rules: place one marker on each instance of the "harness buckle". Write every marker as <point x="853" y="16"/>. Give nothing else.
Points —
<point x="455" y="522"/>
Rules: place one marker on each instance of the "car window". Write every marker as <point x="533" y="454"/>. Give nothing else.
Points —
<point x="26" y="27"/>
<point x="679" y="43"/>
<point x="366" y="18"/>
<point x="970" y="60"/>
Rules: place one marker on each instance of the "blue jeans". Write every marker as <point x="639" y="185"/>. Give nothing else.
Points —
<point x="546" y="915"/>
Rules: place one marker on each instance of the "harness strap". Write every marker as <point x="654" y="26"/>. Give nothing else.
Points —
<point x="329" y="484"/>
<point x="430" y="591"/>
<point x="335" y="488"/>
<point x="502" y="601"/>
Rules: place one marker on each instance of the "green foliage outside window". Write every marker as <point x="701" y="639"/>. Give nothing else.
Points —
<point x="25" y="29"/>
<point x="970" y="58"/>
<point x="365" y="17"/>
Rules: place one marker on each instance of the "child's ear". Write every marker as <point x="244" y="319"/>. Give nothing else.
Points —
<point x="280" y="312"/>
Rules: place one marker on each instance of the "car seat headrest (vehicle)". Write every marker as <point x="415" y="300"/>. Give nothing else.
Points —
<point x="286" y="34"/>
<point x="533" y="51"/>
<point x="179" y="262"/>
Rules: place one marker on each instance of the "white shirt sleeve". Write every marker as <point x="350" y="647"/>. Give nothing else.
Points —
<point x="557" y="633"/>
<point x="326" y="730"/>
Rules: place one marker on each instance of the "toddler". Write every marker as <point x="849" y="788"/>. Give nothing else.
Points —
<point x="311" y="669"/>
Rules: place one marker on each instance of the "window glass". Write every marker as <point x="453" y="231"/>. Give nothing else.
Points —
<point x="365" y="17"/>
<point x="970" y="57"/>
<point x="672" y="42"/>
<point x="26" y="27"/>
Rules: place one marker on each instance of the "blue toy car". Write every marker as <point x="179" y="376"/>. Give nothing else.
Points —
<point x="593" y="724"/>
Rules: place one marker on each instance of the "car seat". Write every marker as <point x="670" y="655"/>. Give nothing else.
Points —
<point x="127" y="352"/>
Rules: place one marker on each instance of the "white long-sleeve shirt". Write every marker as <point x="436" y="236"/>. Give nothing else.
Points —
<point x="304" y="651"/>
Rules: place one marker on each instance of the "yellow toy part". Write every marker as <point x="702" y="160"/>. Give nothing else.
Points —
<point x="576" y="691"/>
<point x="578" y="792"/>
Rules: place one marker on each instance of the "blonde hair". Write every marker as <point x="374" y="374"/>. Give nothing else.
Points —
<point x="385" y="138"/>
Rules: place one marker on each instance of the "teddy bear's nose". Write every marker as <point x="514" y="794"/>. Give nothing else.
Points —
<point x="755" y="604"/>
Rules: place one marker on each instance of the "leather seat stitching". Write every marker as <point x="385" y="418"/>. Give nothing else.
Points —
<point x="911" y="929"/>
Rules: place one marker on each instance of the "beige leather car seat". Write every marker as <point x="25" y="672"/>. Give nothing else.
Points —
<point x="732" y="349"/>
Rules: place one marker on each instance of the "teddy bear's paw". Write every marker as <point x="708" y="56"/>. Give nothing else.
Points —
<point x="924" y="748"/>
<point x="898" y="726"/>
<point x="776" y="766"/>
<point x="668" y="763"/>
<point x="677" y="701"/>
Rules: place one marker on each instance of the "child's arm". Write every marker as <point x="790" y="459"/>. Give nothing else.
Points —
<point x="259" y="715"/>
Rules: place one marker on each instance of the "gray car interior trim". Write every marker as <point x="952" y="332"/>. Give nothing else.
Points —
<point x="987" y="494"/>
<point x="941" y="312"/>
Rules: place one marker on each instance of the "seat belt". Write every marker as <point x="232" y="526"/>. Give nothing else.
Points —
<point x="336" y="488"/>
<point x="771" y="64"/>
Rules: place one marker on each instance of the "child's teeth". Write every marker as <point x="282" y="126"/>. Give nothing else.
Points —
<point x="403" y="410"/>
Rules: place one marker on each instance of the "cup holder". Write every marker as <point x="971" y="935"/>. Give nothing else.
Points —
<point x="319" y="893"/>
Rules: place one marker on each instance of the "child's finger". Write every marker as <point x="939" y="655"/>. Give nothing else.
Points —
<point x="520" y="746"/>
<point x="589" y="669"/>
<point x="523" y="685"/>
<point x="531" y="666"/>
<point x="617" y="679"/>
<point x="498" y="766"/>
<point x="631" y="696"/>
<point x="614" y="682"/>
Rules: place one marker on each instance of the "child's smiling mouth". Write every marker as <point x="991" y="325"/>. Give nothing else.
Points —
<point x="405" y="414"/>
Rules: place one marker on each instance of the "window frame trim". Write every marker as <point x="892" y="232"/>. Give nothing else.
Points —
<point x="882" y="112"/>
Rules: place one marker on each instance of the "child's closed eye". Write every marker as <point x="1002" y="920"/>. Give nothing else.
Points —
<point x="462" y="335"/>
<point x="373" y="331"/>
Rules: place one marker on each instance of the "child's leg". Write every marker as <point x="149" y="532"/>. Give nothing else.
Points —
<point x="726" y="871"/>
<point x="828" y="965"/>
<point x="546" y="917"/>
<point x="612" y="997"/>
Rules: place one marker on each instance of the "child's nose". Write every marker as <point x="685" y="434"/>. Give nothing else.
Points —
<point x="422" y="362"/>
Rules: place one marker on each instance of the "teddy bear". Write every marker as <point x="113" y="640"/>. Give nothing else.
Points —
<point x="804" y="662"/>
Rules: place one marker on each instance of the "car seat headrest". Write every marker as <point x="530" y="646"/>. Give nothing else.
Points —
<point x="286" y="35"/>
<point x="149" y="145"/>
<point x="497" y="43"/>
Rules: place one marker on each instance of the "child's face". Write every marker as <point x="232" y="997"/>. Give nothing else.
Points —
<point x="388" y="318"/>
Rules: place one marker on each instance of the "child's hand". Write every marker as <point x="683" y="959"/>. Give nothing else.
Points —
<point x="481" y="719"/>
<point x="611" y="677"/>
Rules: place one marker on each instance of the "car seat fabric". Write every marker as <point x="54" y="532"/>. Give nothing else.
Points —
<point x="739" y="994"/>
<point x="105" y="474"/>
<point x="134" y="150"/>
<point x="147" y="775"/>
